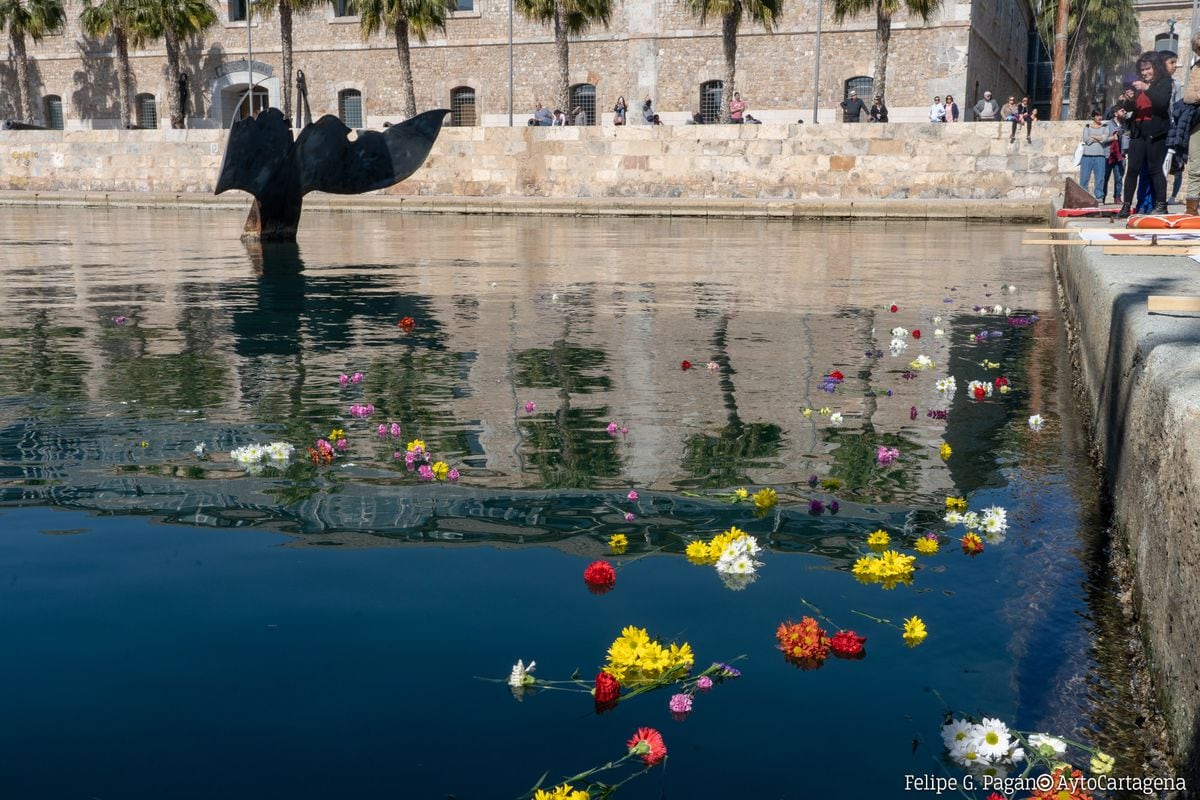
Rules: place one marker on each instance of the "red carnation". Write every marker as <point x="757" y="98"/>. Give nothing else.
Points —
<point x="685" y="365"/>
<point x="648" y="743"/>
<point x="1001" y="381"/>
<point x="847" y="644"/>
<point x="600" y="577"/>
<point x="894" y="308"/>
<point x="837" y="375"/>
<point x="406" y="324"/>
<point x="607" y="691"/>
<point x="980" y="393"/>
<point x="916" y="334"/>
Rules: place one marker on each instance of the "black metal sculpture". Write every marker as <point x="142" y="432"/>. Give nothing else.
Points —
<point x="261" y="158"/>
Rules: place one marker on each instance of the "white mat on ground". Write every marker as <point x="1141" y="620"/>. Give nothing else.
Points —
<point x="1136" y="235"/>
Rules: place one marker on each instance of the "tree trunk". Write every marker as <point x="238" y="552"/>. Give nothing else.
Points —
<point x="24" y="90"/>
<point x="175" y="104"/>
<point x="124" y="75"/>
<point x="1081" y="100"/>
<point x="285" y="38"/>
<point x="406" y="78"/>
<point x="883" y="39"/>
<point x="563" y="50"/>
<point x="729" y="31"/>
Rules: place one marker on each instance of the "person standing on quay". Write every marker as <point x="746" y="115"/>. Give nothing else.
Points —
<point x="1097" y="136"/>
<point x="987" y="109"/>
<point x="737" y="107"/>
<point x="1191" y="95"/>
<point x="879" y="112"/>
<point x="852" y="107"/>
<point x="1151" y="109"/>
<point x="951" y="110"/>
<point x="937" y="111"/>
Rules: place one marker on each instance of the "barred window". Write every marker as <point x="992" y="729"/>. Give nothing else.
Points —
<point x="237" y="10"/>
<point x="462" y="106"/>
<point x="52" y="106"/>
<point x="350" y="107"/>
<point x="147" y="111"/>
<point x="710" y="101"/>
<point x="863" y="84"/>
<point x="583" y="96"/>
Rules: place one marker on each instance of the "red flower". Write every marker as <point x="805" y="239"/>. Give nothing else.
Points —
<point x="980" y="393"/>
<point x="847" y="644"/>
<point x="685" y="365"/>
<point x="406" y="324"/>
<point x="1001" y="381"/>
<point x="916" y="334"/>
<point x="648" y="743"/>
<point x="608" y="689"/>
<point x="837" y="375"/>
<point x="912" y="412"/>
<point x="803" y="640"/>
<point x="995" y="796"/>
<point x="894" y="308"/>
<point x="972" y="545"/>
<point x="600" y="577"/>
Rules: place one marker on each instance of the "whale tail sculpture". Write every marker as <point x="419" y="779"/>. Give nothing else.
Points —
<point x="261" y="158"/>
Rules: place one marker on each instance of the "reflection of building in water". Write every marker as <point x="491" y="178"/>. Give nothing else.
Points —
<point x="510" y="310"/>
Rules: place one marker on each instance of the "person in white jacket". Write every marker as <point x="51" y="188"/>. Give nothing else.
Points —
<point x="937" y="111"/>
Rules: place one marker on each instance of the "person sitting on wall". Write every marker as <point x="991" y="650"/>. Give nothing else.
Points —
<point x="878" y="112"/>
<point x="852" y="107"/>
<point x="987" y="109"/>
<point x="541" y="115"/>
<point x="560" y="119"/>
<point x="696" y="119"/>
<point x="648" y="114"/>
<point x="750" y="120"/>
<point x="579" y="116"/>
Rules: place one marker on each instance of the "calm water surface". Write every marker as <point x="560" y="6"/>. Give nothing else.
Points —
<point x="178" y="628"/>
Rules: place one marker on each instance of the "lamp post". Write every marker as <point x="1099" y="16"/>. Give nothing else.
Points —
<point x="817" y="65"/>
<point x="510" y="63"/>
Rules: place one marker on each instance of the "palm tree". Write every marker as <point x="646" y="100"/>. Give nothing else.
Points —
<point x="418" y="17"/>
<point x="1101" y="34"/>
<point x="884" y="11"/>
<point x="286" y="8"/>
<point x="35" y="19"/>
<point x="764" y="12"/>
<point x="115" y="17"/>
<point x="173" y="20"/>
<point x="569" y="17"/>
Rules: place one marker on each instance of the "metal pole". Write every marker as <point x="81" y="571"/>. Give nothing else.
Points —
<point x="249" y="62"/>
<point x="817" y="66"/>
<point x="510" y="63"/>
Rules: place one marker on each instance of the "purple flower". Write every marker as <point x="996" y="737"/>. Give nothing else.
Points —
<point x="632" y="496"/>
<point x="886" y="455"/>
<point x="829" y="385"/>
<point x="704" y="683"/>
<point x="120" y="320"/>
<point x="889" y="392"/>
<point x="629" y="516"/>
<point x="452" y="475"/>
<point x="382" y="430"/>
<point x="834" y="506"/>
<point x="425" y="472"/>
<point x="362" y="411"/>
<point x="912" y="413"/>
<point x="816" y="507"/>
<point x="813" y="480"/>
<point x="726" y="671"/>
<point x="530" y="406"/>
<point x="908" y="375"/>
<point x="343" y="379"/>
<point x="395" y="430"/>
<point x="681" y="703"/>
<point x="342" y="444"/>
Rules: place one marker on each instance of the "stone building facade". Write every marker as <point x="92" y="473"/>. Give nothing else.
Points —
<point x="654" y="49"/>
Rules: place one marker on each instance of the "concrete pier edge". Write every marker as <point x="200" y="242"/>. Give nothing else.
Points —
<point x="1140" y="375"/>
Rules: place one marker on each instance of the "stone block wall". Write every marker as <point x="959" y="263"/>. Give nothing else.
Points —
<point x="736" y="162"/>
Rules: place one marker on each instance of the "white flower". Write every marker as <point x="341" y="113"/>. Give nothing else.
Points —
<point x="199" y="450"/>
<point x="997" y="309"/>
<point x="994" y="519"/>
<point x="994" y="738"/>
<point x="898" y="346"/>
<point x="936" y="320"/>
<point x="899" y="333"/>
<point x="994" y="772"/>
<point x="520" y="674"/>
<point x="1007" y="311"/>
<point x="248" y="454"/>
<point x="921" y="362"/>
<point x="279" y="451"/>
<point x="836" y="418"/>
<point x="1016" y="754"/>
<point x="970" y="520"/>
<point x="968" y="756"/>
<point x="957" y="731"/>
<point x="947" y="386"/>
<point x="973" y="385"/>
<point x="938" y="332"/>
<point x="1036" y="422"/>
<point x="1047" y="745"/>
<point x="1010" y="288"/>
<point x="953" y="517"/>
<point x="736" y="582"/>
<point x="736" y="564"/>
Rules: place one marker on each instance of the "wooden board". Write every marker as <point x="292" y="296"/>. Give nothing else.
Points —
<point x="1163" y="302"/>
<point x="1117" y="243"/>
<point x="1152" y="250"/>
<point x="1076" y="229"/>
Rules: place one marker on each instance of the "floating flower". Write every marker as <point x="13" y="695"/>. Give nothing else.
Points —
<point x="956" y="504"/>
<point x="847" y="644"/>
<point x="704" y="683"/>
<point x="343" y="379"/>
<point x="989" y="364"/>
<point x="632" y="496"/>
<point x="928" y="544"/>
<point x="836" y="375"/>
<point x="978" y="390"/>
<point x="938" y="332"/>
<point x="914" y="631"/>
<point x="634" y="657"/>
<point x="835" y="419"/>
<point x="993" y="738"/>
<point x="945" y="451"/>
<point x="765" y="499"/>
<point x="912" y="412"/>
<point x="888" y="568"/>
<point x="685" y="365"/>
<point x="607" y="689"/>
<point x="879" y="539"/>
<point x="617" y="543"/>
<point x="530" y="406"/>
<point x="680" y="703"/>
<point x="629" y="516"/>
<point x="521" y="674"/>
<point x="120" y="320"/>
<point x="897" y="346"/>
<point x="899" y="333"/>
<point x="699" y="553"/>
<point x="916" y="334"/>
<point x="886" y="455"/>
<point x="648" y="743"/>
<point x="712" y="366"/>
<point x="807" y="412"/>
<point x="440" y="470"/>
<point x="825" y="411"/>
<point x="741" y="494"/>
<point x="727" y="672"/>
<point x="562" y="792"/>
<point x="406" y="324"/>
<point x="362" y="411"/>
<point x="453" y="475"/>
<point x="816" y="507"/>
<point x="600" y="577"/>
<point x="946" y="387"/>
<point x="416" y="446"/>
<point x="251" y="454"/>
<point x="1047" y="745"/>
<point x="1036" y="423"/>
<point x="199" y="450"/>
<point x="893" y="308"/>
<point x="1101" y="764"/>
<point x="921" y="363"/>
<point x="803" y="640"/>
<point x="972" y="545"/>
<point x="834" y="506"/>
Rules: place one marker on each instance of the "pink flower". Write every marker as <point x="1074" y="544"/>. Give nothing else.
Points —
<point x="425" y="472"/>
<point x="342" y="444"/>
<point x="452" y="475"/>
<point x="712" y="366"/>
<point x="120" y="320"/>
<point x="362" y="411"/>
<point x="633" y="496"/>
<point x="394" y="430"/>
<point x="629" y="516"/>
<point x="704" y="683"/>
<point x="530" y="406"/>
<point x="382" y="430"/>
<point x="886" y="455"/>
<point x="624" y="431"/>
<point x="681" y="703"/>
<point x="356" y="377"/>
<point x="343" y="379"/>
<point x="612" y="429"/>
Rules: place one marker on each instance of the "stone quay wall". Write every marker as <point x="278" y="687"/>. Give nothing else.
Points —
<point x="1141" y="374"/>
<point x="967" y="161"/>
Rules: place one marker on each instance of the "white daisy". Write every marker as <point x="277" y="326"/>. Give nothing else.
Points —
<point x="520" y="673"/>
<point x="898" y="346"/>
<point x="738" y="564"/>
<point x="994" y="739"/>
<point x="899" y="333"/>
<point x="970" y="521"/>
<point x="279" y="451"/>
<point x="938" y="332"/>
<point x="953" y="517"/>
<point x="836" y="418"/>
<point x="1047" y="745"/>
<point x="1036" y="422"/>
<point x="957" y="731"/>
<point x="199" y="450"/>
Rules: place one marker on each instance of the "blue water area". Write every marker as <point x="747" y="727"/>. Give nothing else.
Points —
<point x="178" y="625"/>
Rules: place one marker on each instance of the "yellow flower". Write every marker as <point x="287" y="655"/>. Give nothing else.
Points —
<point x="927" y="546"/>
<point x="889" y="568"/>
<point x="564" y="792"/>
<point x="682" y="655"/>
<point x="1101" y="764"/>
<point x="914" y="631"/>
<point x="417" y="444"/>
<point x="807" y="412"/>
<point x="826" y="411"/>
<point x="879" y="539"/>
<point x="440" y="469"/>
<point x="699" y="553"/>
<point x="336" y="433"/>
<point x="1004" y="389"/>
<point x="945" y="451"/>
<point x="764" y="499"/>
<point x="741" y="494"/>
<point x="956" y="504"/>
<point x="617" y="543"/>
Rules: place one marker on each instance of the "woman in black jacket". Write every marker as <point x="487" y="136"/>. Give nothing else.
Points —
<point x="1150" y="111"/>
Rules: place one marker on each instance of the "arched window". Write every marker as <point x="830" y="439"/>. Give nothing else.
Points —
<point x="863" y="84"/>
<point x="710" y="101"/>
<point x="52" y="110"/>
<point x="350" y="108"/>
<point x="583" y="96"/>
<point x="147" y="111"/>
<point x="462" y="106"/>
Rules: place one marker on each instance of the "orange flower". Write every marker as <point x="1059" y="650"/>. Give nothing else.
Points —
<point x="972" y="545"/>
<point x="648" y="743"/>
<point x="1064" y="787"/>
<point x="803" y="640"/>
<point x="406" y="324"/>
